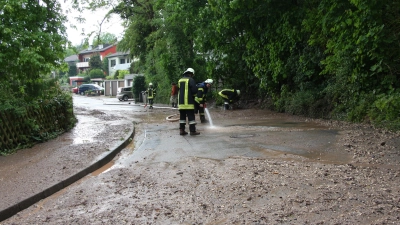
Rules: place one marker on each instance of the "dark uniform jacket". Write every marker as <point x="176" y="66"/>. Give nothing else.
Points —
<point x="187" y="91"/>
<point x="202" y="90"/>
<point x="151" y="93"/>
<point x="229" y="95"/>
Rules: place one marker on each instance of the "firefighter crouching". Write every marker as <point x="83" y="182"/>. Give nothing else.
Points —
<point x="229" y="96"/>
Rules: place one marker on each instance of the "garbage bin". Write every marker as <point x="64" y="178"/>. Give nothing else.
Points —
<point x="139" y="97"/>
<point x="144" y="97"/>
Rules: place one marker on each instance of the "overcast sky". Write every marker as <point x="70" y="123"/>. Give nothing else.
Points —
<point x="92" y="20"/>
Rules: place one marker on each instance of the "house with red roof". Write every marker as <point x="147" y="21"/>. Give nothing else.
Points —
<point x="85" y="55"/>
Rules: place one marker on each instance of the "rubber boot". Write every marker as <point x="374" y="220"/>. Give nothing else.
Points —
<point x="192" y="129"/>
<point x="226" y="104"/>
<point x="203" y="119"/>
<point x="182" y="132"/>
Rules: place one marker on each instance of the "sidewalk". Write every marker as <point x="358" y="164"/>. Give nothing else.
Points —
<point x="33" y="174"/>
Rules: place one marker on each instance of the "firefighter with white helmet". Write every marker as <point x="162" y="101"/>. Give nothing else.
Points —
<point x="202" y="90"/>
<point x="189" y="71"/>
<point x="186" y="94"/>
<point x="151" y="94"/>
<point x="229" y="96"/>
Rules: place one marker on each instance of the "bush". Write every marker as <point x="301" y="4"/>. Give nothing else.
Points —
<point x="138" y="86"/>
<point x="36" y="118"/>
<point x="385" y="111"/>
<point x="300" y="103"/>
<point x="122" y="73"/>
<point x="96" y="73"/>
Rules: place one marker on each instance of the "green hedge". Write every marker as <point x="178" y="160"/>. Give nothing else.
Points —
<point x="38" y="121"/>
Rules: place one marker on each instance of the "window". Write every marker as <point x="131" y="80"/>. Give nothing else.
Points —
<point x="122" y="61"/>
<point x="112" y="62"/>
<point x="87" y="59"/>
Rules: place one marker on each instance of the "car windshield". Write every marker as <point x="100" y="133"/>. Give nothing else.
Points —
<point x="98" y="87"/>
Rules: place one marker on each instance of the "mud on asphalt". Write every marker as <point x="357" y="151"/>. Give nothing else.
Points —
<point x="281" y="188"/>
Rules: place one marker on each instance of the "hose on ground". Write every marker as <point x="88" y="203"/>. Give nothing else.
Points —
<point x="171" y="118"/>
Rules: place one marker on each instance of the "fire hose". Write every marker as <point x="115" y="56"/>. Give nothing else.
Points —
<point x="171" y="118"/>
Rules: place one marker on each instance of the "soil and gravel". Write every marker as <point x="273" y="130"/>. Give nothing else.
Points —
<point x="240" y="190"/>
<point x="30" y="171"/>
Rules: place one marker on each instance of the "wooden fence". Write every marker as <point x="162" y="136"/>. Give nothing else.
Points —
<point x="35" y="123"/>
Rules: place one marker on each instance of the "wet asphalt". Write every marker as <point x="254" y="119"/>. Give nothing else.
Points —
<point x="236" y="133"/>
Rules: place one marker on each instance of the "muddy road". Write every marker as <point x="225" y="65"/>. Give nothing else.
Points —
<point x="251" y="167"/>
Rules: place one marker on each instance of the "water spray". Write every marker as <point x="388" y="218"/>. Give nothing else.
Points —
<point x="208" y="115"/>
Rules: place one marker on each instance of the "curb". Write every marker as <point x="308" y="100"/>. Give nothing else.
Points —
<point x="26" y="203"/>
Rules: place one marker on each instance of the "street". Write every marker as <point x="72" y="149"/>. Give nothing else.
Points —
<point x="251" y="167"/>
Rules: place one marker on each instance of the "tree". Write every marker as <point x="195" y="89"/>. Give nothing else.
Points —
<point x="33" y="39"/>
<point x="105" y="38"/>
<point x="95" y="62"/>
<point x="105" y="65"/>
<point x="72" y="70"/>
<point x="138" y="86"/>
<point x="71" y="51"/>
<point x="310" y="57"/>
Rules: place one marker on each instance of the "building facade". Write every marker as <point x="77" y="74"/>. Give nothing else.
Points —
<point x="85" y="55"/>
<point x="118" y="61"/>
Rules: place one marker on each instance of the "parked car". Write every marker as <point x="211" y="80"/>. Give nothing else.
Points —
<point x="75" y="90"/>
<point x="90" y="87"/>
<point x="125" y="93"/>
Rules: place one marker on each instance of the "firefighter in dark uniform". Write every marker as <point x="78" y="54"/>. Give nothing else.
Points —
<point x="187" y="91"/>
<point x="202" y="90"/>
<point x="151" y="94"/>
<point x="229" y="96"/>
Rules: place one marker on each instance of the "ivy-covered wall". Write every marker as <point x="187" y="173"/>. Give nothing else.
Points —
<point x="23" y="127"/>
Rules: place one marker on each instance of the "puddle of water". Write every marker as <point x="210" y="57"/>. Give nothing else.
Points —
<point x="302" y="139"/>
<point x="277" y="124"/>
<point x="103" y="169"/>
<point x="83" y="133"/>
<point x="79" y="140"/>
<point x="242" y="135"/>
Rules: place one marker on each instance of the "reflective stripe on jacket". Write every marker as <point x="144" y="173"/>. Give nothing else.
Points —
<point x="151" y="93"/>
<point x="187" y="91"/>
<point x="228" y="94"/>
<point x="202" y="90"/>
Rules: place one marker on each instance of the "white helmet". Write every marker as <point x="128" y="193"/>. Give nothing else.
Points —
<point x="209" y="81"/>
<point x="189" y="70"/>
<point x="150" y="84"/>
<point x="238" y="92"/>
